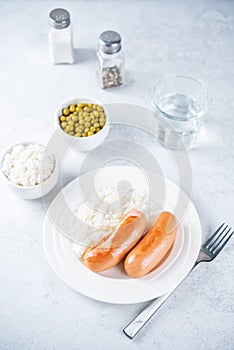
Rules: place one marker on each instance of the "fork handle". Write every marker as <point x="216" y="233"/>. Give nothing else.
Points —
<point x="145" y="315"/>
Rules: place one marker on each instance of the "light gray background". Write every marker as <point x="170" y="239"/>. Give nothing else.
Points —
<point x="37" y="311"/>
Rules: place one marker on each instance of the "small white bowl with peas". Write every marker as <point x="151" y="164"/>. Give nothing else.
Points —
<point x="84" y="123"/>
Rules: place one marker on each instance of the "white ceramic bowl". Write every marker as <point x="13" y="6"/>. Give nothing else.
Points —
<point x="32" y="192"/>
<point x="83" y="144"/>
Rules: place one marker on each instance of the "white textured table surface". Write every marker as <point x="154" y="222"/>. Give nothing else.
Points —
<point x="37" y="311"/>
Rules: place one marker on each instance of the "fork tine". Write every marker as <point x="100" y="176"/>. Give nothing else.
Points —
<point x="205" y="245"/>
<point x="220" y="247"/>
<point x="219" y="239"/>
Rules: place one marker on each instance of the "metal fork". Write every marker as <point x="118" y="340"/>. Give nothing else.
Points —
<point x="209" y="250"/>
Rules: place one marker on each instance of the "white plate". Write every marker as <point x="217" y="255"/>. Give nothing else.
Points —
<point x="114" y="286"/>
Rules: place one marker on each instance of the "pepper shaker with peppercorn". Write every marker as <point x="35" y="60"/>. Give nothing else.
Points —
<point x="110" y="60"/>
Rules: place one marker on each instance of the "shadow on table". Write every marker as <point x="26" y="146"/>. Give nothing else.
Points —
<point x="84" y="55"/>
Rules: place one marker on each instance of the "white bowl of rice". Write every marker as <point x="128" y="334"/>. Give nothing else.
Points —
<point x="29" y="169"/>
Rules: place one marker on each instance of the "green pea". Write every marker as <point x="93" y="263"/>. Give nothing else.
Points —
<point x="102" y="120"/>
<point x="72" y="108"/>
<point x="66" y="111"/>
<point x="75" y="118"/>
<point x="86" y="109"/>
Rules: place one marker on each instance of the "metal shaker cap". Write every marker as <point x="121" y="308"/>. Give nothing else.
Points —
<point x="110" y="42"/>
<point x="59" y="18"/>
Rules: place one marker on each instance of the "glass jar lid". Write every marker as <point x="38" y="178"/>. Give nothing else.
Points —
<point x="110" y="42"/>
<point x="59" y="18"/>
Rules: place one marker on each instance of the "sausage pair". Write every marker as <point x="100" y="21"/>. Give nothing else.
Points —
<point x="140" y="258"/>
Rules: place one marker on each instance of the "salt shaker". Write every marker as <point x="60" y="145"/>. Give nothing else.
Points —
<point x="60" y="36"/>
<point x="110" y="60"/>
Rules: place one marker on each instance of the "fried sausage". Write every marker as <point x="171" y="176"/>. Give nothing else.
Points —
<point x="113" y="247"/>
<point x="153" y="247"/>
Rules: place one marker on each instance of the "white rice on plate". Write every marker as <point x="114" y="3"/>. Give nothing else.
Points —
<point x="101" y="219"/>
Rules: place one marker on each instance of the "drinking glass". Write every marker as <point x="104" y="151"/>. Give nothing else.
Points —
<point x="180" y="103"/>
